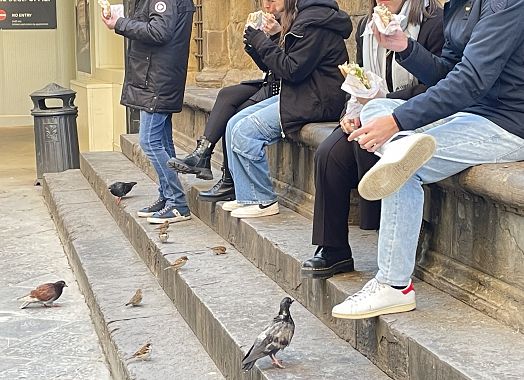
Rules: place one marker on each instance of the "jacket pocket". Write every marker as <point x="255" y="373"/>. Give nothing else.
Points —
<point x="138" y="72"/>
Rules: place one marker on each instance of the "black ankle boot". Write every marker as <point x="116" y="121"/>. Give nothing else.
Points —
<point x="327" y="262"/>
<point x="224" y="190"/>
<point x="197" y="162"/>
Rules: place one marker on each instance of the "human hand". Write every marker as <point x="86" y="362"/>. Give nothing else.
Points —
<point x="249" y="35"/>
<point x="348" y="124"/>
<point x="396" y="42"/>
<point x="375" y="133"/>
<point x="270" y="25"/>
<point x="111" y="21"/>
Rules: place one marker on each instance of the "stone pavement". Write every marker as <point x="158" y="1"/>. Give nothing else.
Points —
<point x="37" y="343"/>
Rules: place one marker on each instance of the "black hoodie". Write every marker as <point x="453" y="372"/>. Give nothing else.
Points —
<point x="308" y="64"/>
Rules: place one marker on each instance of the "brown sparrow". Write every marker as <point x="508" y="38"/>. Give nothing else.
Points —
<point x="163" y="227"/>
<point x="179" y="263"/>
<point x="144" y="353"/>
<point x="219" y="250"/>
<point x="136" y="299"/>
<point x="44" y="294"/>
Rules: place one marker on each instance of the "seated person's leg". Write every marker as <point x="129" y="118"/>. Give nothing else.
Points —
<point x="463" y="140"/>
<point x="199" y="161"/>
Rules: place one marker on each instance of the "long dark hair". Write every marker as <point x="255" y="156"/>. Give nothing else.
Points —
<point x="287" y="18"/>
<point x="417" y="8"/>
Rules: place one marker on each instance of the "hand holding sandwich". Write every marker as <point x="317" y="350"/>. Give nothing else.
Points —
<point x="397" y="42"/>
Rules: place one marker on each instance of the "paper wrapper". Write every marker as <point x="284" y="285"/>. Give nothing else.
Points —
<point x="352" y="85"/>
<point x="117" y="10"/>
<point x="391" y="28"/>
<point x="255" y="20"/>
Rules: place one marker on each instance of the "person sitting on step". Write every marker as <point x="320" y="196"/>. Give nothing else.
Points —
<point x="306" y="59"/>
<point x="230" y="100"/>
<point x="339" y="163"/>
<point x="473" y="115"/>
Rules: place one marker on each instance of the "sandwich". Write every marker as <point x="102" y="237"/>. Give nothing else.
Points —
<point x="384" y="14"/>
<point x="356" y="71"/>
<point x="106" y="8"/>
<point x="256" y="20"/>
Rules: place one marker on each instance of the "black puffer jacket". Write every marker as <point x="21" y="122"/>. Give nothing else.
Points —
<point x="159" y="32"/>
<point x="313" y="48"/>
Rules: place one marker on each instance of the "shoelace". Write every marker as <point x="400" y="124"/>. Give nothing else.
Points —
<point x="217" y="185"/>
<point x="167" y="209"/>
<point x="370" y="288"/>
<point x="158" y="201"/>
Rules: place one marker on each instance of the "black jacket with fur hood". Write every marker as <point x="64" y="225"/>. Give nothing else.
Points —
<point x="308" y="63"/>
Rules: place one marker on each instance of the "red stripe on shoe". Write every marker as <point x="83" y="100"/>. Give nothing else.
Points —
<point x="409" y="288"/>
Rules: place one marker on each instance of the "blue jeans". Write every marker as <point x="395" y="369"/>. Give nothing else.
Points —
<point x="247" y="133"/>
<point x="463" y="140"/>
<point x="156" y="140"/>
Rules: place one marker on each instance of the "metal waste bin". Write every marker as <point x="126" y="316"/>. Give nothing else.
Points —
<point x="56" y="136"/>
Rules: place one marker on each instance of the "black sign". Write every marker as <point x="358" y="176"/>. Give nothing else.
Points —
<point x="27" y="14"/>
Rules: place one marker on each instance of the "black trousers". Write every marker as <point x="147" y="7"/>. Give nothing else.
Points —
<point x="339" y="166"/>
<point x="229" y="102"/>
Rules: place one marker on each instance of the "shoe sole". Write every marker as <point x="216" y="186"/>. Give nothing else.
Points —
<point x="233" y="208"/>
<point x="144" y="214"/>
<point x="321" y="274"/>
<point x="264" y="212"/>
<point x="376" y="313"/>
<point x="202" y="173"/>
<point x="383" y="180"/>
<point x="171" y="220"/>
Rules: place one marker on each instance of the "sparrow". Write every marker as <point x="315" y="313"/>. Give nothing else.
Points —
<point x="144" y="353"/>
<point x="121" y="189"/>
<point x="163" y="227"/>
<point x="274" y="338"/>
<point x="136" y="299"/>
<point x="44" y="294"/>
<point x="163" y="237"/>
<point x="179" y="263"/>
<point x="219" y="250"/>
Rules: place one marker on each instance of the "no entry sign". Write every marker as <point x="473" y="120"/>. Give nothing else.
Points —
<point x="3" y="15"/>
<point x="28" y="14"/>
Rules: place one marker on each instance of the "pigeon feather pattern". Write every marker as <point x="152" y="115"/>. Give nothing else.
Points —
<point x="121" y="189"/>
<point x="44" y="294"/>
<point x="274" y="338"/>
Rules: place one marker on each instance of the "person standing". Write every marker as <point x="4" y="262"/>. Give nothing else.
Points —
<point x="155" y="77"/>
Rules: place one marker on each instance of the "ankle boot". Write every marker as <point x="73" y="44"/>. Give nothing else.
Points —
<point x="197" y="162"/>
<point x="327" y="262"/>
<point x="224" y="190"/>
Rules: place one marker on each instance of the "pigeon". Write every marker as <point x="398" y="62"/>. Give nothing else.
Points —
<point x="44" y="294"/>
<point x="136" y="299"/>
<point x="179" y="263"/>
<point x="274" y="338"/>
<point x="121" y="189"/>
<point x="143" y="353"/>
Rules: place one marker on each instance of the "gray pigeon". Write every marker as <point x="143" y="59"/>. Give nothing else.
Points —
<point x="120" y="189"/>
<point x="274" y="338"/>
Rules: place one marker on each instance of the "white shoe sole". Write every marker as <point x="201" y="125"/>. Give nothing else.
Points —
<point x="244" y="212"/>
<point x="144" y="214"/>
<point x="231" y="206"/>
<point x="385" y="178"/>
<point x="376" y="313"/>
<point x="171" y="220"/>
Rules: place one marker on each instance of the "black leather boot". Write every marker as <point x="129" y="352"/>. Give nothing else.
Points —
<point x="327" y="262"/>
<point x="224" y="190"/>
<point x="197" y="162"/>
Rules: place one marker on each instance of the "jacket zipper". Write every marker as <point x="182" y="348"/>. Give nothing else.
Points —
<point x="280" y="90"/>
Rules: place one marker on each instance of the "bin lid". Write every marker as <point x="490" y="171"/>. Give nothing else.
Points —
<point x="52" y="89"/>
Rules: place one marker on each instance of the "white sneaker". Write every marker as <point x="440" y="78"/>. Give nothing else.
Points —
<point x="255" y="211"/>
<point x="400" y="160"/>
<point x="376" y="299"/>
<point x="231" y="205"/>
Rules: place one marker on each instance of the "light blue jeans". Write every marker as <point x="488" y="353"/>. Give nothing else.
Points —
<point x="247" y="134"/>
<point x="463" y="140"/>
<point x="156" y="140"/>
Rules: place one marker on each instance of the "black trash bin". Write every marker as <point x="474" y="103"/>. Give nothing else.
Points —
<point x="56" y="135"/>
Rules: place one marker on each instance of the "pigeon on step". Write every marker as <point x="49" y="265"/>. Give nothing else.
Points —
<point x="121" y="189"/>
<point x="274" y="338"/>
<point x="44" y="294"/>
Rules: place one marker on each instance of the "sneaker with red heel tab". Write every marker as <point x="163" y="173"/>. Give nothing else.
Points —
<point x="376" y="299"/>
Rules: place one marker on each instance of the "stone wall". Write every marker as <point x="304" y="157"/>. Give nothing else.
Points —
<point x="225" y="61"/>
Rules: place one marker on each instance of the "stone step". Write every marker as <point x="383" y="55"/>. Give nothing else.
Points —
<point x="109" y="271"/>
<point x="225" y="299"/>
<point x="443" y="339"/>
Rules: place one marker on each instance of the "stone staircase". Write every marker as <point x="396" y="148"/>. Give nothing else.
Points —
<point x="204" y="317"/>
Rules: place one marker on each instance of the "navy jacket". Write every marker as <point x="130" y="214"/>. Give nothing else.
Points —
<point x="156" y="68"/>
<point x="308" y="64"/>
<point x="481" y="70"/>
